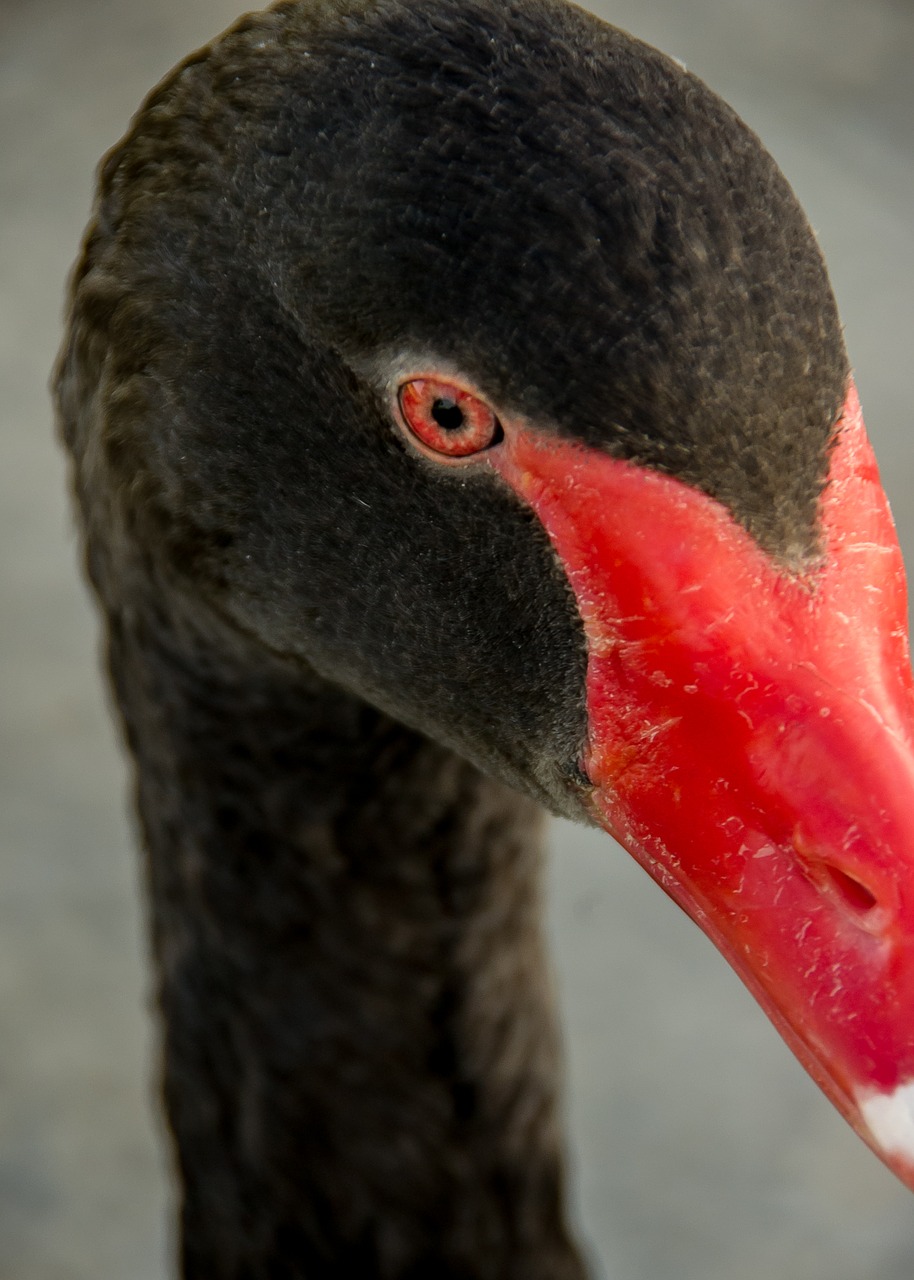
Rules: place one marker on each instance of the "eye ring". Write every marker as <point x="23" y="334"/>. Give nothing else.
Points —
<point x="446" y="419"/>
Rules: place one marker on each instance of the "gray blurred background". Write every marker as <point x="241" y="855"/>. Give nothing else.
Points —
<point x="700" y="1149"/>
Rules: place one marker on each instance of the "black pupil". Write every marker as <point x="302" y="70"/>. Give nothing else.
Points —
<point x="447" y="413"/>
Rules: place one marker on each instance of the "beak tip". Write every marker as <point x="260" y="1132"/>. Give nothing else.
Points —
<point x="889" y="1119"/>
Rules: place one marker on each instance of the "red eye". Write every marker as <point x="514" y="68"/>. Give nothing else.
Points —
<point x="448" y="419"/>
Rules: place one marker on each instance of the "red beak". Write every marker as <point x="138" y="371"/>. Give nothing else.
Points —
<point x="751" y="742"/>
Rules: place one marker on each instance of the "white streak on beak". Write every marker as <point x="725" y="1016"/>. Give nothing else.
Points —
<point x="890" y="1119"/>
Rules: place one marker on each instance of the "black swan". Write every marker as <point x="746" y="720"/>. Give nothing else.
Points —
<point x="462" y="428"/>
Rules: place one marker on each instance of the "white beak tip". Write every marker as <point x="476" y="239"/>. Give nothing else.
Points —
<point x="890" y="1120"/>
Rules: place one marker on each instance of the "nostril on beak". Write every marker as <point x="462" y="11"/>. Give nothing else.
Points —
<point x="843" y="887"/>
<point x="849" y="890"/>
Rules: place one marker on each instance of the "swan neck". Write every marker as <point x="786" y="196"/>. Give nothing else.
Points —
<point x="359" y="1046"/>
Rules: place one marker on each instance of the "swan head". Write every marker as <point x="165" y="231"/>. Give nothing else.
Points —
<point x="480" y="359"/>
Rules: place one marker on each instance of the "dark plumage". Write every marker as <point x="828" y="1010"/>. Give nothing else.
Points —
<point x="316" y="640"/>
